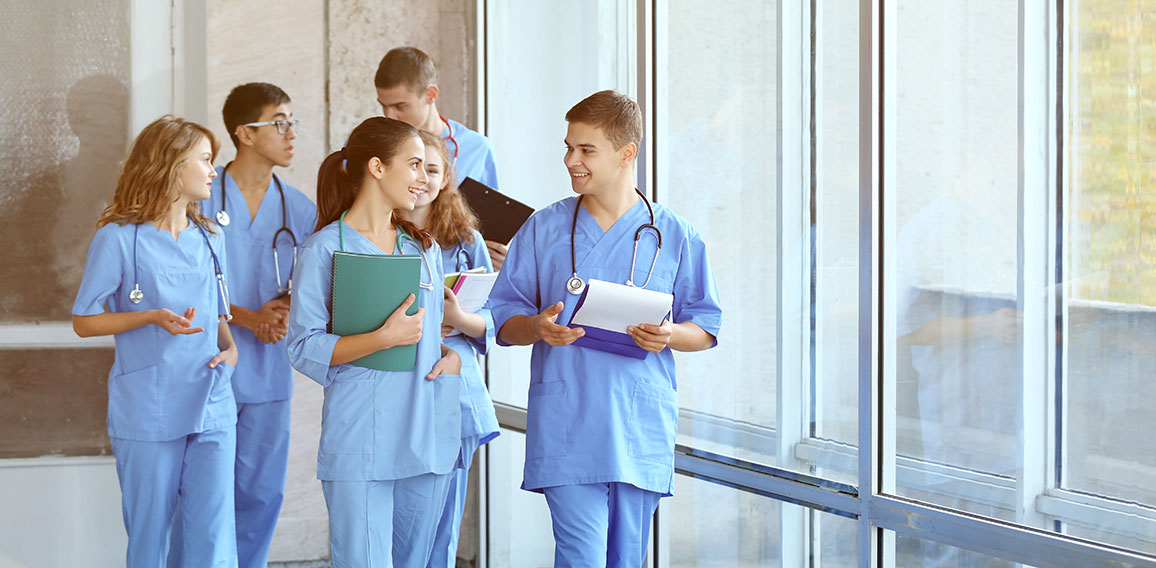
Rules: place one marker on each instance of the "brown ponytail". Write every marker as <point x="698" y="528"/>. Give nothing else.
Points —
<point x="341" y="174"/>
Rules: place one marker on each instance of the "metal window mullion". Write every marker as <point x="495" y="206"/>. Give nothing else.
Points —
<point x="792" y="273"/>
<point x="1032" y="281"/>
<point x="872" y="444"/>
<point x="1068" y="129"/>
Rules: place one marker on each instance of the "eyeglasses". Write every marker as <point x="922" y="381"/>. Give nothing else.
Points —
<point x="283" y="126"/>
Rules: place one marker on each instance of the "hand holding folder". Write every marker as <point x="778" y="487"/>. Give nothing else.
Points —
<point x="367" y="288"/>
<point x="606" y="309"/>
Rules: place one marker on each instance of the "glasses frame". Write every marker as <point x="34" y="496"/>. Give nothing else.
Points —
<point x="282" y="125"/>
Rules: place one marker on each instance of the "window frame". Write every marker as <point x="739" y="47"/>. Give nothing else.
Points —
<point x="880" y="514"/>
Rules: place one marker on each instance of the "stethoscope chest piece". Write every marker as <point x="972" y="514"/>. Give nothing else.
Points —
<point x="223" y="218"/>
<point x="575" y="285"/>
<point x="136" y="296"/>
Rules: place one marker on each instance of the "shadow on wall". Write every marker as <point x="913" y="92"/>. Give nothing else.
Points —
<point x="48" y="218"/>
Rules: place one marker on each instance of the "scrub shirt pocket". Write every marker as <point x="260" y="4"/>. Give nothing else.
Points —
<point x="134" y="400"/>
<point x="653" y="419"/>
<point x="660" y="283"/>
<point x="547" y="423"/>
<point x="348" y="424"/>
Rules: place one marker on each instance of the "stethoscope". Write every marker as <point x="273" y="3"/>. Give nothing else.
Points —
<point x="576" y="285"/>
<point x="224" y="220"/>
<point x="401" y="235"/>
<point x="451" y="138"/>
<point x="136" y="296"/>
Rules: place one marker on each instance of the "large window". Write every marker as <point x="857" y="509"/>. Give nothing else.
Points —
<point x="928" y="224"/>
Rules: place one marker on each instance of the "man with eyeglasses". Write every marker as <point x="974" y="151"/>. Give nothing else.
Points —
<point x="264" y="220"/>
<point x="406" y="83"/>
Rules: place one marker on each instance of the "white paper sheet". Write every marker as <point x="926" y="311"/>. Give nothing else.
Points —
<point x="613" y="307"/>
<point x="473" y="290"/>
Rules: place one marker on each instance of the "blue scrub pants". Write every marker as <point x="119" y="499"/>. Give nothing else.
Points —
<point x="262" y="460"/>
<point x="600" y="524"/>
<point x="374" y="524"/>
<point x="445" y="544"/>
<point x="197" y="469"/>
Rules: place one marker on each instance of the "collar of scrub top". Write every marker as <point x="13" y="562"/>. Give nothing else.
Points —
<point x="451" y="138"/>
<point x="136" y="295"/>
<point x="223" y="219"/>
<point x="401" y="235"/>
<point x="576" y="285"/>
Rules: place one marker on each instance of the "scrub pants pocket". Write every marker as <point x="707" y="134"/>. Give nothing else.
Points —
<point x="547" y="427"/>
<point x="347" y="423"/>
<point x="222" y="382"/>
<point x="653" y="419"/>
<point x="134" y="400"/>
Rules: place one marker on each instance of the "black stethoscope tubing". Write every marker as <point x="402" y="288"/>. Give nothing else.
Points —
<point x="223" y="220"/>
<point x="575" y="285"/>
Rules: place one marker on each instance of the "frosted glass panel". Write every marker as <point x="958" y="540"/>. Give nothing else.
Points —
<point x="64" y="104"/>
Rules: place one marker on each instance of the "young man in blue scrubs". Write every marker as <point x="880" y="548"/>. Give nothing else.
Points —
<point x="601" y="426"/>
<point x="254" y="207"/>
<point x="406" y="83"/>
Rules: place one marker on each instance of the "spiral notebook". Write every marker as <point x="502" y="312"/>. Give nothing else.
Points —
<point x="367" y="288"/>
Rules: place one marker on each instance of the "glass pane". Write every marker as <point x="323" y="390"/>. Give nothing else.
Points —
<point x="519" y="529"/>
<point x="837" y="543"/>
<point x="716" y="526"/>
<point x="912" y="551"/>
<point x="1109" y="263"/>
<point x="835" y="231"/>
<point x="952" y="268"/>
<point x="64" y="123"/>
<point x="716" y="167"/>
<point x="63" y="133"/>
<point x="527" y="41"/>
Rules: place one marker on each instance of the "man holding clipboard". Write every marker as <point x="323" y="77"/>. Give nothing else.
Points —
<point x="601" y="421"/>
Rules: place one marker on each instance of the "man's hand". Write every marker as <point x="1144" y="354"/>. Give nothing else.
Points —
<point x="653" y="338"/>
<point x="551" y="332"/>
<point x="271" y="323"/>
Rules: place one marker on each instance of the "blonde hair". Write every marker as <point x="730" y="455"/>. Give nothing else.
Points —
<point x="148" y="182"/>
<point x="450" y="219"/>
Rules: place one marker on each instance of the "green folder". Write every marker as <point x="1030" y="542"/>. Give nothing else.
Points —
<point x="367" y="288"/>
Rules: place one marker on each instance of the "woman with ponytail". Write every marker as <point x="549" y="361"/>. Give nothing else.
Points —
<point x="389" y="439"/>
<point x="442" y="211"/>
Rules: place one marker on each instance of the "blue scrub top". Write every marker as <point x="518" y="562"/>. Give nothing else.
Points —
<point x="475" y="154"/>
<point x="263" y="373"/>
<point x="160" y="387"/>
<point x="478" y="416"/>
<point x="597" y="417"/>
<point x="375" y="425"/>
